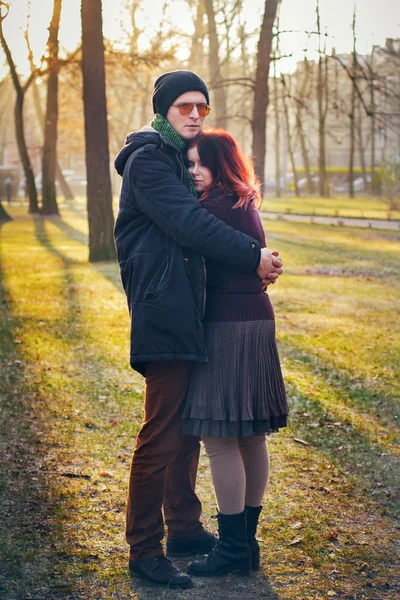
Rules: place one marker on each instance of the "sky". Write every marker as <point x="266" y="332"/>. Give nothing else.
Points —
<point x="376" y="20"/>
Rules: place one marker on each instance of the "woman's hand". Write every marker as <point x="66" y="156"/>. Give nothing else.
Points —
<point x="272" y="277"/>
<point x="270" y="266"/>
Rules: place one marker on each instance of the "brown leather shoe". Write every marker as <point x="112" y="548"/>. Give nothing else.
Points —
<point x="159" y="569"/>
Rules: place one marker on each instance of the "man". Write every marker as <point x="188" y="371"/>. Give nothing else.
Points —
<point x="161" y="234"/>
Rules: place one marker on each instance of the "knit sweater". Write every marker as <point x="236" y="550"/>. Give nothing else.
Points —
<point x="233" y="295"/>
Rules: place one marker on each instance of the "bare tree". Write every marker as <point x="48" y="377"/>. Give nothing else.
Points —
<point x="5" y="111"/>
<point x="215" y="73"/>
<point x="286" y="99"/>
<point x="361" y="146"/>
<point x="277" y="129"/>
<point x="352" y="114"/>
<point x="322" y="97"/>
<point x="261" y="91"/>
<point x="5" y="91"/>
<point x="66" y="190"/>
<point x="300" y="99"/>
<point x="371" y="81"/>
<point x="244" y="71"/>
<point x="49" y="160"/>
<point x="197" y="47"/>
<point x="18" y="115"/>
<point x="99" y="196"/>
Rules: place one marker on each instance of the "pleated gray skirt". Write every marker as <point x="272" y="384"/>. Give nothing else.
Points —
<point x="240" y="391"/>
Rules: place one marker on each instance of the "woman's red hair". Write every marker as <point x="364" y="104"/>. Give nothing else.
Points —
<point x="230" y="168"/>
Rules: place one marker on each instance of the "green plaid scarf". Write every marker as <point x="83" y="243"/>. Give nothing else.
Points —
<point x="160" y="124"/>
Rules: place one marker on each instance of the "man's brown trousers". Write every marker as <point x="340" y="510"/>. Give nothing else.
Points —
<point x="164" y="465"/>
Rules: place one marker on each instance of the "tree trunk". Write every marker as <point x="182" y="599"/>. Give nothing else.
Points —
<point x="49" y="194"/>
<point x="352" y="114"/>
<point x="277" y="136"/>
<point x="374" y="187"/>
<point x="99" y="195"/>
<point x="196" y="48"/>
<point x="64" y="185"/>
<point x="304" y="152"/>
<point x="19" y="125"/>
<point x="261" y="92"/>
<point x="244" y="104"/>
<point x="65" y="188"/>
<point x="219" y="95"/>
<point x="321" y="95"/>
<point x="361" y="148"/>
<point x="23" y="153"/>
<point x="321" y="134"/>
<point x="290" y="146"/>
<point x="352" y="142"/>
<point x="373" y="160"/>
<point x="300" y="104"/>
<point x="5" y="114"/>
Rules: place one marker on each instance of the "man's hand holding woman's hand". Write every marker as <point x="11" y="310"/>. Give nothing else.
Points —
<point x="270" y="266"/>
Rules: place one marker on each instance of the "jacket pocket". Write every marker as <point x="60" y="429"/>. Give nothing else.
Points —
<point x="159" y="281"/>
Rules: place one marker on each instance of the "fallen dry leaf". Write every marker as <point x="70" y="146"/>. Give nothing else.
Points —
<point x="105" y="474"/>
<point x="296" y="541"/>
<point x="299" y="441"/>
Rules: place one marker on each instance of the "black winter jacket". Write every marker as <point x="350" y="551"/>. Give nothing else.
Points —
<point x="161" y="233"/>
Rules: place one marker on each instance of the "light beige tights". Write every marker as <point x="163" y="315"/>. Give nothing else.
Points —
<point x="240" y="469"/>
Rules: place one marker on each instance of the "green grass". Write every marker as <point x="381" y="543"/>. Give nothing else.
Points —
<point x="340" y="206"/>
<point x="71" y="407"/>
<point x="366" y="207"/>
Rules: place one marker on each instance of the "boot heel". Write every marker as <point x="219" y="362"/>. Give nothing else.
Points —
<point x="253" y="513"/>
<point x="240" y="569"/>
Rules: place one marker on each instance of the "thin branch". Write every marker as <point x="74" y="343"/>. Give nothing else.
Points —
<point x="353" y="79"/>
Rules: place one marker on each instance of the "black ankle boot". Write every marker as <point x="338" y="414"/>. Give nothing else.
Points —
<point x="231" y="554"/>
<point x="253" y="513"/>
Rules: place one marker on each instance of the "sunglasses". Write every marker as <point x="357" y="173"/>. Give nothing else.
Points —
<point x="186" y="108"/>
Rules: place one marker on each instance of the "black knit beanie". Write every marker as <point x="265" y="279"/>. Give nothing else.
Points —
<point x="169" y="86"/>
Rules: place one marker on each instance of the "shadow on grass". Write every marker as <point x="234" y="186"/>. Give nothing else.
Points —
<point x="27" y="540"/>
<point x="256" y="586"/>
<point x="357" y="393"/>
<point x="328" y="437"/>
<point x="109" y="269"/>
<point x="71" y="232"/>
<point x="328" y="253"/>
<point x="371" y="466"/>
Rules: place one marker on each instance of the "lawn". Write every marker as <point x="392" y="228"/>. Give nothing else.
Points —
<point x="340" y="206"/>
<point x="71" y="408"/>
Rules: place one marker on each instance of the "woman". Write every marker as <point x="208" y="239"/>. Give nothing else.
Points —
<point x="238" y="396"/>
